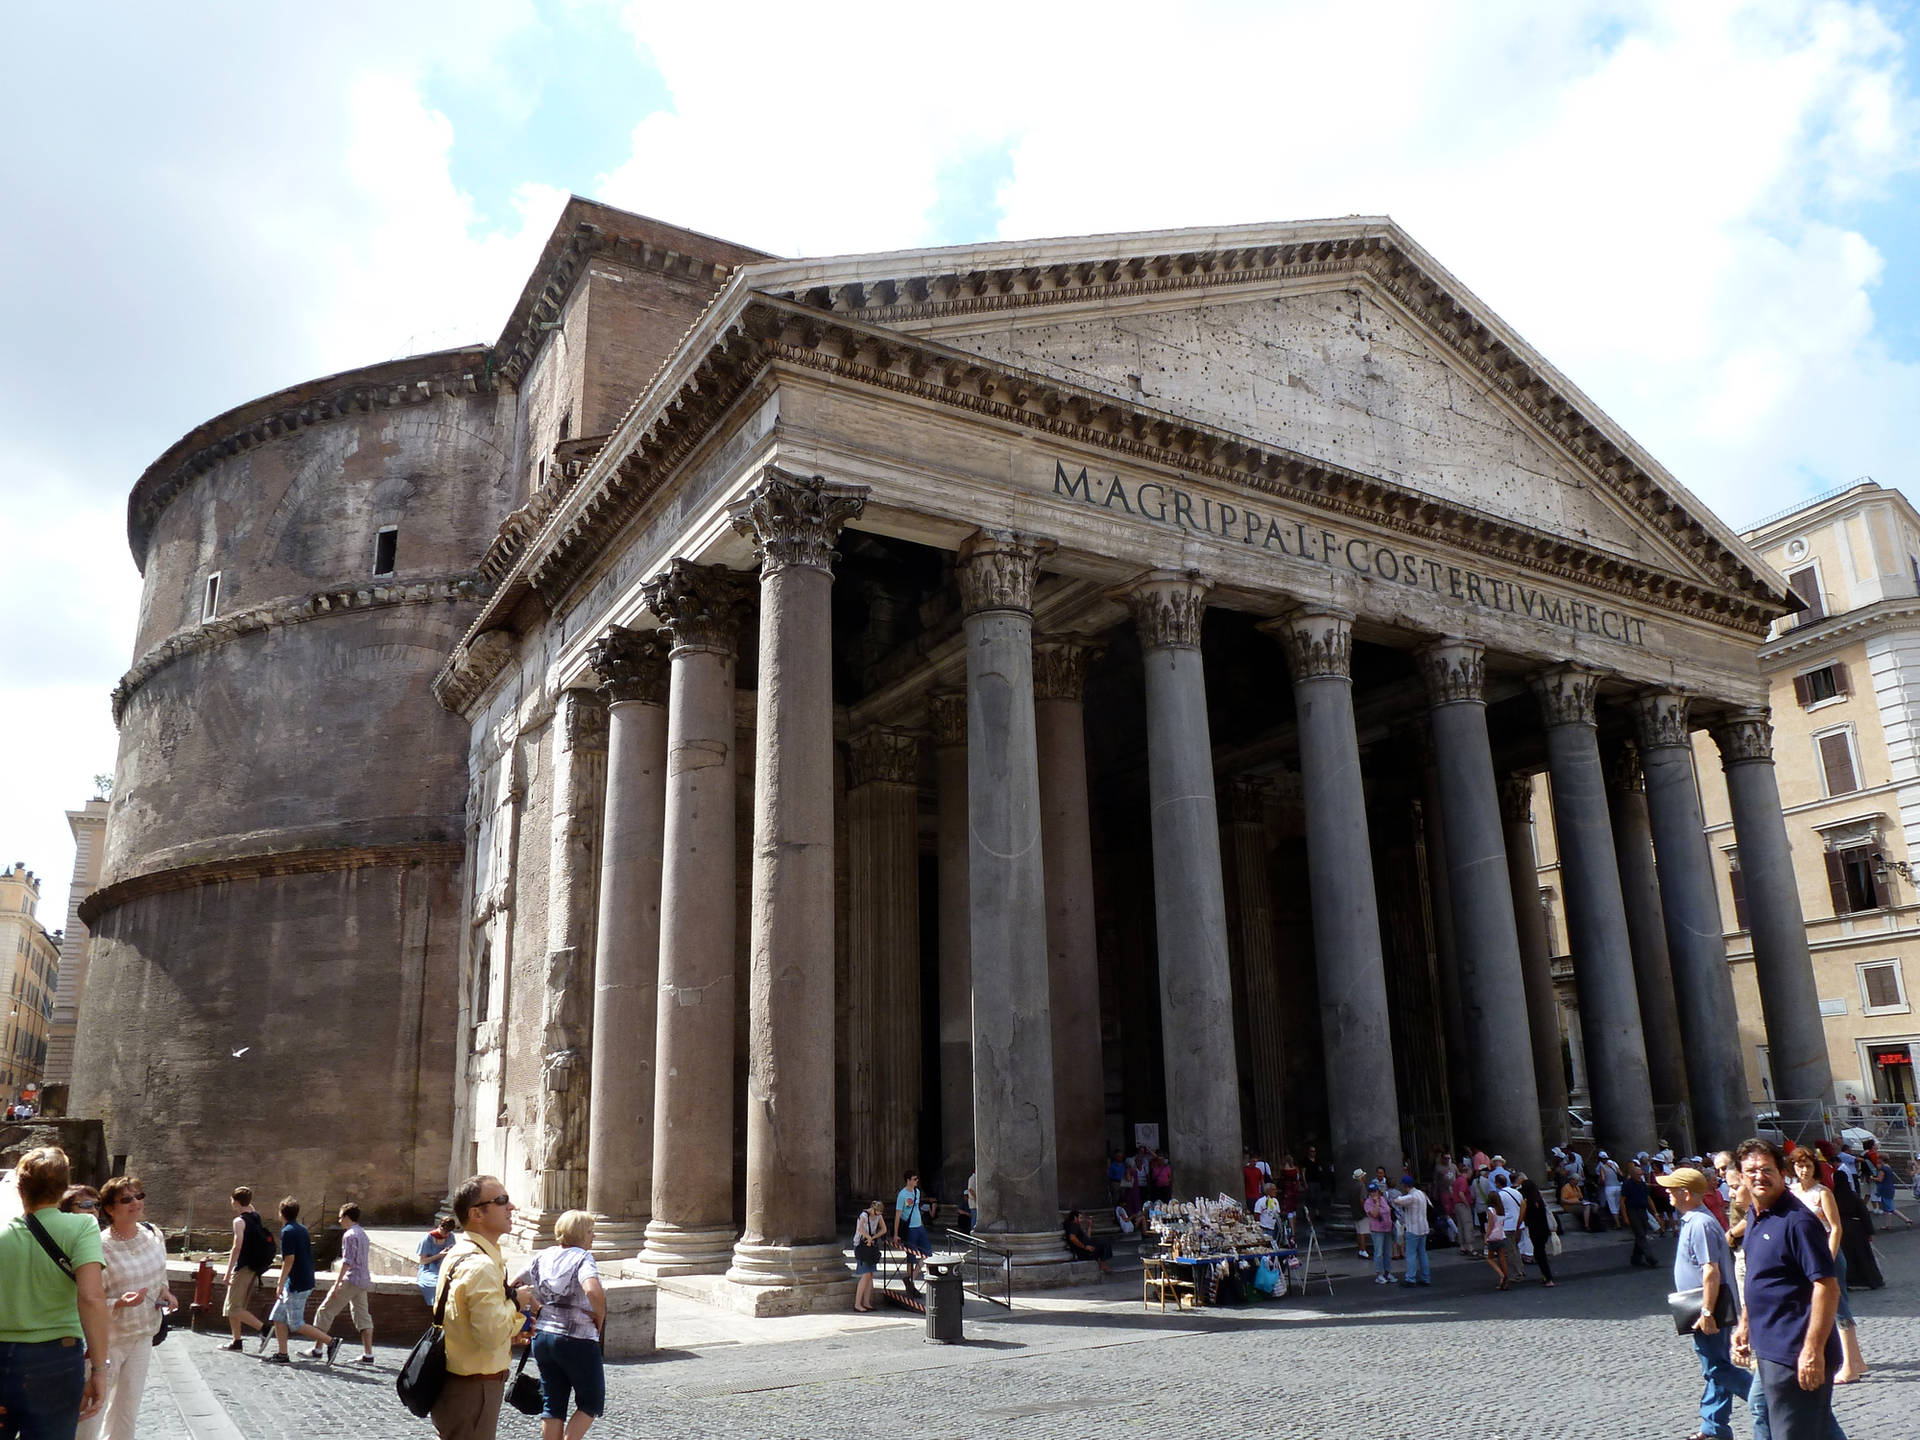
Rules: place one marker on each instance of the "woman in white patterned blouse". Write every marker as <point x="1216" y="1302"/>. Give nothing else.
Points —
<point x="136" y="1285"/>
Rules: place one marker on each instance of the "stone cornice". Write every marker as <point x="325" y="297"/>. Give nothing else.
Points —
<point x="393" y="385"/>
<point x="288" y="610"/>
<point x="1901" y="612"/>
<point x="479" y="659"/>
<point x="318" y="861"/>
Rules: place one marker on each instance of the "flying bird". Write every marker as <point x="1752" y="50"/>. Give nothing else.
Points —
<point x="241" y="1051"/>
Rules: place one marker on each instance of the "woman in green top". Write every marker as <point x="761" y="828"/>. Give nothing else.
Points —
<point x="47" y="1308"/>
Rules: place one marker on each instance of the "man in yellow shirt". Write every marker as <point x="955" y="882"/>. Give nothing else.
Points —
<point x="483" y="1312"/>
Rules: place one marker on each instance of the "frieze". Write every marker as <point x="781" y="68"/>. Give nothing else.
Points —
<point x="1516" y="798"/>
<point x="1660" y="719"/>
<point x="794" y="520"/>
<point x="1169" y="608"/>
<point x="1743" y="735"/>
<point x="631" y="664"/>
<point x="699" y="606"/>
<point x="997" y="570"/>
<point x="1318" y="642"/>
<point x="1566" y="694"/>
<point x="1060" y="665"/>
<point x="884" y="755"/>
<point x="947" y="717"/>
<point x="1455" y="671"/>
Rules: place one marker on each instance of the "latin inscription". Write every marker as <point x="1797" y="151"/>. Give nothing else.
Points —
<point x="1159" y="503"/>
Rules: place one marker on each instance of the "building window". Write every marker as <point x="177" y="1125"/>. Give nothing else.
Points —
<point x="1852" y="881"/>
<point x="1838" y="767"/>
<point x="1829" y="682"/>
<point x="1882" y="988"/>
<point x="210" y="598"/>
<point x="1739" y="884"/>
<point x="385" y="544"/>
<point x="1806" y="584"/>
<point x="566" y="426"/>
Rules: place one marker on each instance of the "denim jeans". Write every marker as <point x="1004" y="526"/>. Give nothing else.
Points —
<point x="570" y="1369"/>
<point x="1382" y="1251"/>
<point x="1724" y="1380"/>
<point x="1417" y="1267"/>
<point x="41" y="1385"/>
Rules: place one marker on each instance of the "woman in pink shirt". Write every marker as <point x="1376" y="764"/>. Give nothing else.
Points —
<point x="1460" y="1206"/>
<point x="1379" y="1230"/>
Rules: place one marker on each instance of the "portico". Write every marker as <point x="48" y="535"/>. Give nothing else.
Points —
<point x="1028" y="554"/>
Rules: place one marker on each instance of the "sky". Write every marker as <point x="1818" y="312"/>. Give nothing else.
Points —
<point x="1706" y="214"/>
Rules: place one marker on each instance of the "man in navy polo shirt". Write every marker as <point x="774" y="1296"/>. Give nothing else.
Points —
<point x="1792" y="1297"/>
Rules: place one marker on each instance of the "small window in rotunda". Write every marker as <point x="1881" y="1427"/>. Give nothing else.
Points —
<point x="210" y="598"/>
<point x="385" y="544"/>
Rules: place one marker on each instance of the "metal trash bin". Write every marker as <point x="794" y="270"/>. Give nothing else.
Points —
<point x="945" y="1294"/>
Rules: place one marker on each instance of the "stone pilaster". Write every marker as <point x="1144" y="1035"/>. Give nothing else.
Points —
<point x="1252" y="936"/>
<point x="1492" y="984"/>
<point x="790" y="1256"/>
<point x="1696" y="943"/>
<point x="691" y="1228"/>
<point x="883" y="958"/>
<point x="1789" y="999"/>
<point x="947" y="720"/>
<point x="633" y="671"/>
<point x="1356" y="1035"/>
<point x="1536" y="954"/>
<point x="1073" y="966"/>
<point x="1013" y="1112"/>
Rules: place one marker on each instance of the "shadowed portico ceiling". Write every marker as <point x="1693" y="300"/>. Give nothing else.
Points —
<point x="874" y="319"/>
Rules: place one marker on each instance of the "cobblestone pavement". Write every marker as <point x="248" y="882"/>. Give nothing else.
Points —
<point x="1594" y="1355"/>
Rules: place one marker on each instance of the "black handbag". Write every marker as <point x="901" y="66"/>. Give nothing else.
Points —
<point x="523" y="1391"/>
<point x="165" y="1317"/>
<point x="424" y="1374"/>
<point x="1685" y="1307"/>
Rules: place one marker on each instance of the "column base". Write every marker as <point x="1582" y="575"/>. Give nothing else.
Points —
<point x="786" y="1279"/>
<point x="1041" y="1260"/>
<point x="617" y="1239"/>
<point x="533" y="1229"/>
<point x="684" y="1250"/>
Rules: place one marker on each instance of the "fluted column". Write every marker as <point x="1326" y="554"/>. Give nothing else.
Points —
<point x="883" y="959"/>
<point x="1603" y="974"/>
<point x="1696" y="939"/>
<point x="1536" y="953"/>
<point x="1356" y="1035"/>
<point x="1252" y="934"/>
<point x="790" y="1253"/>
<point x="1789" y="999"/>
<point x="633" y="670"/>
<point x="1492" y="986"/>
<point x="1647" y="932"/>
<point x="947" y="718"/>
<point x="691" y="1228"/>
<point x="1073" y="962"/>
<point x="1189" y="898"/>
<point x="1012" y="1019"/>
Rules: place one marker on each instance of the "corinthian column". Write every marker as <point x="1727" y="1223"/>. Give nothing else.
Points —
<point x="691" y="1230"/>
<point x="633" y="671"/>
<point x="1492" y="986"/>
<point x="883" y="958"/>
<point x="1356" y="1036"/>
<point x="790" y="1256"/>
<point x="1789" y="999"/>
<point x="1012" y="1021"/>
<point x="947" y="717"/>
<point x="1596" y="913"/>
<point x="1253" y="932"/>
<point x="1696" y="941"/>
<point x="1189" y="901"/>
<point x="1536" y="953"/>
<point x="1073" y="963"/>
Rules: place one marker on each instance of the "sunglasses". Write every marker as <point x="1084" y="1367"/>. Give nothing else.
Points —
<point x="135" y="1195"/>
<point x="83" y="1205"/>
<point x="497" y="1200"/>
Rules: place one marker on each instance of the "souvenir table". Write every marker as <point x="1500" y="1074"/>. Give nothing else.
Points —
<point x="1195" y="1236"/>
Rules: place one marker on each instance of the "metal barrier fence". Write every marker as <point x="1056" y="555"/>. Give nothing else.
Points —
<point x="980" y="1259"/>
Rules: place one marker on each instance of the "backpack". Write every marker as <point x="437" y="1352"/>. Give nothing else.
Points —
<point x="257" y="1247"/>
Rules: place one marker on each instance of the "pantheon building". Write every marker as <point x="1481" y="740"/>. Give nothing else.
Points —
<point x="764" y="726"/>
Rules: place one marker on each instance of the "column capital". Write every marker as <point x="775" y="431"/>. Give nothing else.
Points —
<point x="1743" y="736"/>
<point x="793" y="520"/>
<point x="884" y="754"/>
<point x="1623" y="769"/>
<point x="1060" y="665"/>
<point x="632" y="665"/>
<point x="1318" y="641"/>
<point x="699" y="606"/>
<point x="947" y="718"/>
<point x="583" y="720"/>
<point x="997" y="570"/>
<point x="1245" y="798"/>
<point x="1516" y="797"/>
<point x="1660" y="719"/>
<point x="1168" y="608"/>
<point x="1455" y="669"/>
<point x="1566" y="694"/>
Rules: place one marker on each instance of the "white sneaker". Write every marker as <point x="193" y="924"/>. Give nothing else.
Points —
<point x="1380" y="1280"/>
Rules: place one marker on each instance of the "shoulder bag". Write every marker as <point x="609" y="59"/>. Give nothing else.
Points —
<point x="523" y="1391"/>
<point x="46" y="1243"/>
<point x="424" y="1373"/>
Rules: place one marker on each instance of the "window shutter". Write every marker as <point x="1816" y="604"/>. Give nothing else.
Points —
<point x="1806" y="584"/>
<point x="1881" y="900"/>
<point x="1836" y="758"/>
<point x="1837" y="884"/>
<point x="1802" y="691"/>
<point x="1739" y="897"/>
<point x="1839" y="669"/>
<point x="1882" y="990"/>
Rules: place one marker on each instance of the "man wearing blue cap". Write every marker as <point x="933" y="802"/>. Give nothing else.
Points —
<point x="1412" y="1205"/>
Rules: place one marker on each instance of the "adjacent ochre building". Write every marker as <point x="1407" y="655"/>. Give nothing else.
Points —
<point x="30" y="968"/>
<point x="765" y="725"/>
<point x="89" y="827"/>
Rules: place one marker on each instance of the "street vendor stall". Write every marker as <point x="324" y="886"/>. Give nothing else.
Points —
<point x="1210" y="1252"/>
